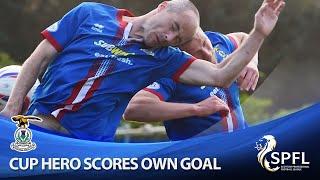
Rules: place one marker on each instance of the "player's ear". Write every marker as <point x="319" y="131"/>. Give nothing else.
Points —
<point x="162" y="6"/>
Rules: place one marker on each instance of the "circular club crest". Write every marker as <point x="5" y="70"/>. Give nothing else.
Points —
<point x="23" y="143"/>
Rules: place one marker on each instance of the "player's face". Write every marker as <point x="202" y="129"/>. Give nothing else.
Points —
<point x="169" y="29"/>
<point x="199" y="47"/>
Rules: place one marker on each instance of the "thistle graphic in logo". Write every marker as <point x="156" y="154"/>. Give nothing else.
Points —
<point x="265" y="145"/>
<point x="23" y="135"/>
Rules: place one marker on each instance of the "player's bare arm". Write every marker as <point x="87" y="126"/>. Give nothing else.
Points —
<point x="32" y="67"/>
<point x="147" y="107"/>
<point x="205" y="73"/>
<point x="249" y="76"/>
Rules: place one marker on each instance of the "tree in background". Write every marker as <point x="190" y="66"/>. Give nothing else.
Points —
<point x="5" y="60"/>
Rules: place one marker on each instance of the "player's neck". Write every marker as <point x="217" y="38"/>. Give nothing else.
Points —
<point x="136" y="32"/>
<point x="214" y="59"/>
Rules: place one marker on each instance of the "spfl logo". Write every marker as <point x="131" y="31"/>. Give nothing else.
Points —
<point x="23" y="135"/>
<point x="289" y="161"/>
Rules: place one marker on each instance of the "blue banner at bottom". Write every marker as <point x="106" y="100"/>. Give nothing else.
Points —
<point x="287" y="146"/>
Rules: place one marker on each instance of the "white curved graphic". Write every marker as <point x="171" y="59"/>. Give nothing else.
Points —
<point x="265" y="145"/>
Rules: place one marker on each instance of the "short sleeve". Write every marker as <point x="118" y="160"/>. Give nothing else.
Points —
<point x="176" y="62"/>
<point x="163" y="88"/>
<point x="233" y="43"/>
<point x="63" y="31"/>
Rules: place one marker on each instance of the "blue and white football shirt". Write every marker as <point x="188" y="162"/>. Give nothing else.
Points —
<point x="89" y="84"/>
<point x="168" y="90"/>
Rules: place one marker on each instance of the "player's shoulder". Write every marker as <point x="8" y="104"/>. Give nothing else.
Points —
<point x="89" y="6"/>
<point x="222" y="39"/>
<point x="216" y="36"/>
<point x="166" y="52"/>
<point x="166" y="49"/>
<point x="93" y="5"/>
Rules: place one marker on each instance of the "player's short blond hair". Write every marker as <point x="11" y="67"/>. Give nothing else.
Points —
<point x="179" y="6"/>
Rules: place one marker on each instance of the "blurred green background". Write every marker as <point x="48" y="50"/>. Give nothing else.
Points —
<point x="289" y="62"/>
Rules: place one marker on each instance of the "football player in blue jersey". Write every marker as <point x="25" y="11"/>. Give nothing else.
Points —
<point x="187" y="110"/>
<point x="97" y="57"/>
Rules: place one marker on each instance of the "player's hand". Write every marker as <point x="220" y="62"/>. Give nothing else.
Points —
<point x="211" y="105"/>
<point x="267" y="16"/>
<point x="249" y="77"/>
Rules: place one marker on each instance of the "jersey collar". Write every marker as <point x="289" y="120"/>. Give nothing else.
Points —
<point x="127" y="30"/>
